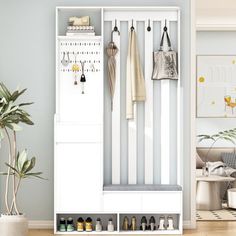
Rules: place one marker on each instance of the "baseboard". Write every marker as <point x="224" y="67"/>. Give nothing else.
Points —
<point x="41" y="224"/>
<point x="188" y="224"/>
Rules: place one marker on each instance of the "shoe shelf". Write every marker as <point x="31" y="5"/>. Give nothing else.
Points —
<point x="118" y="221"/>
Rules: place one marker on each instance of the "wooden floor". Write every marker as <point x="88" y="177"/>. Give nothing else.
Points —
<point x="203" y="229"/>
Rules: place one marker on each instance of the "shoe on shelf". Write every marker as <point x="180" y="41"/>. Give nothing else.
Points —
<point x="110" y="225"/>
<point x="162" y="223"/>
<point x="88" y="225"/>
<point x="80" y="224"/>
<point x="152" y="223"/>
<point x="170" y="223"/>
<point x="133" y="225"/>
<point x="125" y="225"/>
<point x="70" y="225"/>
<point x="98" y="226"/>
<point x="62" y="225"/>
<point x="143" y="223"/>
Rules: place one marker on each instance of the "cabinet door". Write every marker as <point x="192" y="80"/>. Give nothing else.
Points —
<point x="78" y="177"/>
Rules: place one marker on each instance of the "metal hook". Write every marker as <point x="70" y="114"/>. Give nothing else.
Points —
<point x="165" y="28"/>
<point x="132" y="26"/>
<point x="115" y="29"/>
<point x="149" y="27"/>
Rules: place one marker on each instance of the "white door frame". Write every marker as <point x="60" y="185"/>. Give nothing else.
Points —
<point x="193" y="113"/>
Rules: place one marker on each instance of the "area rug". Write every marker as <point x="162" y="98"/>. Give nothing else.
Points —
<point x="219" y="215"/>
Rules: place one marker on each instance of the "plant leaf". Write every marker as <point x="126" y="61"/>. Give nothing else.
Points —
<point x="22" y="159"/>
<point x="36" y="175"/>
<point x="12" y="168"/>
<point x="32" y="165"/>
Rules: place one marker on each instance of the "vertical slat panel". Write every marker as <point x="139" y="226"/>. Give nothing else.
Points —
<point x="173" y="111"/>
<point x="107" y="110"/>
<point x="116" y="115"/>
<point x="157" y="110"/>
<point x="132" y="140"/>
<point x="124" y="122"/>
<point x="140" y="30"/>
<point x="149" y="104"/>
<point x="179" y="112"/>
<point x="165" y="126"/>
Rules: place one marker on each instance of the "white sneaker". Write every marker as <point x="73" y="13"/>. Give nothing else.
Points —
<point x="170" y="221"/>
<point x="162" y="223"/>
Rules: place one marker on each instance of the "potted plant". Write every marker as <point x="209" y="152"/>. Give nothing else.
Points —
<point x="227" y="135"/>
<point x="18" y="165"/>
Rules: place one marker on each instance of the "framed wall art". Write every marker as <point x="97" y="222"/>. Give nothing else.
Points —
<point x="216" y="86"/>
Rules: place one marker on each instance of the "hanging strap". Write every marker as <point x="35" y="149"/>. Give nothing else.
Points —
<point x="162" y="39"/>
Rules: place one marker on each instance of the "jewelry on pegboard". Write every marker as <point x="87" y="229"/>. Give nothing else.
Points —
<point x="65" y="62"/>
<point x="82" y="78"/>
<point x="92" y="67"/>
<point x="75" y="68"/>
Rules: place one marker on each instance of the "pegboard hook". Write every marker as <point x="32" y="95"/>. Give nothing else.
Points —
<point x="115" y="29"/>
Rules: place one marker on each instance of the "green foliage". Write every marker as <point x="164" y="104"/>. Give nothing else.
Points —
<point x="227" y="135"/>
<point x="12" y="114"/>
<point x="19" y="166"/>
<point x="23" y="167"/>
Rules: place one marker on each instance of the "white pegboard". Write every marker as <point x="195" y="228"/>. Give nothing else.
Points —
<point x="73" y="105"/>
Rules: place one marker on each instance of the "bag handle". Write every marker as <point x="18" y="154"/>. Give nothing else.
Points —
<point x="167" y="37"/>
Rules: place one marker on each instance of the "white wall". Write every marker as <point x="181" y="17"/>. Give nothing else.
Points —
<point x="27" y="58"/>
<point x="215" y="43"/>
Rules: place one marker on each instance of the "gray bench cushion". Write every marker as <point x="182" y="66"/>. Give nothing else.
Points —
<point x="142" y="187"/>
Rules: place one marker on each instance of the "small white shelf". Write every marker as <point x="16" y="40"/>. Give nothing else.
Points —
<point x="151" y="232"/>
<point x="80" y="37"/>
<point x="216" y="27"/>
<point x="85" y="232"/>
<point x="155" y="232"/>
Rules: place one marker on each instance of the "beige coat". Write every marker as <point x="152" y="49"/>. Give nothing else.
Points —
<point x="135" y="84"/>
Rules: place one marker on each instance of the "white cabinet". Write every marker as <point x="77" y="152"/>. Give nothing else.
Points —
<point x="78" y="177"/>
<point x="81" y="117"/>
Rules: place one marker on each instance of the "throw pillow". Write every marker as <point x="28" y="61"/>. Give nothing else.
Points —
<point x="229" y="159"/>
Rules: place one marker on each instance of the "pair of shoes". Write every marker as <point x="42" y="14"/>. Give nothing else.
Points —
<point x="162" y="224"/>
<point x="98" y="226"/>
<point x="84" y="225"/>
<point x="66" y="225"/>
<point x="110" y="225"/>
<point x="144" y="226"/>
<point x="132" y="226"/>
<point x="143" y="223"/>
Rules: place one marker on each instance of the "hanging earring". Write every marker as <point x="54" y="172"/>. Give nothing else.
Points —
<point x="92" y="67"/>
<point x="65" y="62"/>
<point x="75" y="69"/>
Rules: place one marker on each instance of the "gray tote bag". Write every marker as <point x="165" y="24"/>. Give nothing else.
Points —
<point x="165" y="62"/>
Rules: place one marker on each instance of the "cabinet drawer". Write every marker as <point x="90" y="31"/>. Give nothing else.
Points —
<point x="122" y="202"/>
<point x="162" y="202"/>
